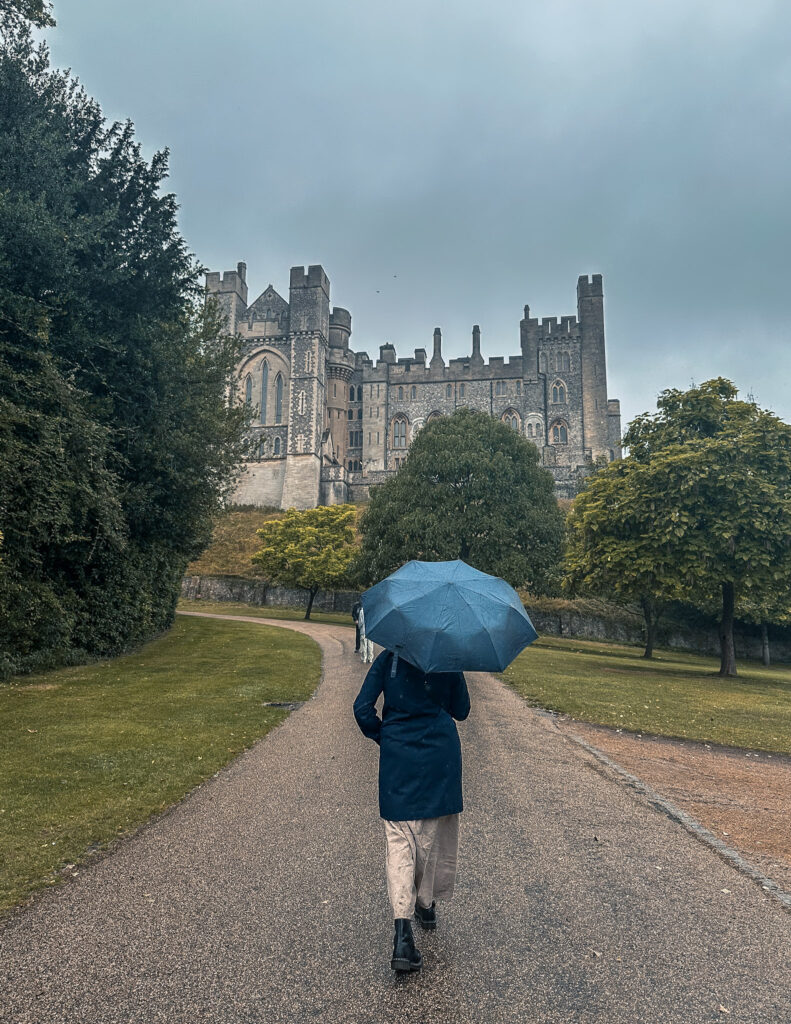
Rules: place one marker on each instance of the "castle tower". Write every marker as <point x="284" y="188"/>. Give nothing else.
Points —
<point x="590" y="313"/>
<point x="309" y="328"/>
<point x="231" y="293"/>
<point x="528" y="335"/>
<point x="340" y="366"/>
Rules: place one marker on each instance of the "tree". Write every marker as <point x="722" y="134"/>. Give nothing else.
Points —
<point x="470" y="488"/>
<point x="118" y="444"/>
<point x="15" y="12"/>
<point x="310" y="550"/>
<point x="612" y="547"/>
<point x="716" y="472"/>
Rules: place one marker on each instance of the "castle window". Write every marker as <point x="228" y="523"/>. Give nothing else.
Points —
<point x="399" y="432"/>
<point x="261" y="445"/>
<point x="360" y="413"/>
<point x="400" y="394"/>
<point x="511" y="419"/>
<point x="279" y="398"/>
<point x="277" y="446"/>
<point x="360" y="393"/>
<point x="302" y="403"/>
<point x="413" y="393"/>
<point x="449" y="391"/>
<point x="248" y="390"/>
<point x="542" y="362"/>
<point x="530" y="430"/>
<point x="519" y="387"/>
<point x="334" y="390"/>
<point x="351" y="414"/>
<point x="369" y="437"/>
<point x="307" y="362"/>
<point x="559" y="393"/>
<point x="351" y="394"/>
<point x="612" y="455"/>
<point x="566" y="361"/>
<point x="560" y="434"/>
<point x="264" y="389"/>
<point x="351" y="465"/>
<point x="461" y="390"/>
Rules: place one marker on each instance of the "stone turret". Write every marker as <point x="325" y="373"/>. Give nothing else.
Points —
<point x="231" y="292"/>
<point x="590" y="313"/>
<point x="477" y="359"/>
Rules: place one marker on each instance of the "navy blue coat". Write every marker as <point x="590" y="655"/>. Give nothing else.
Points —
<point x="420" y="753"/>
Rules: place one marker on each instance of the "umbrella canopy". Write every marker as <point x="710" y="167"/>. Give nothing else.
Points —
<point x="447" y="617"/>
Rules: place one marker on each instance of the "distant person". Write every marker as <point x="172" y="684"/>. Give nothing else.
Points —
<point x="366" y="647"/>
<point x="356" y="609"/>
<point x="420" y="790"/>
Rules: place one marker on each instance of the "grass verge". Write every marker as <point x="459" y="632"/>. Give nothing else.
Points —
<point x="89" y="753"/>
<point x="674" y="694"/>
<point x="259" y="612"/>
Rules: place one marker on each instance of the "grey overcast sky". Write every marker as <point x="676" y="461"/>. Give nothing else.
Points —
<point x="449" y="162"/>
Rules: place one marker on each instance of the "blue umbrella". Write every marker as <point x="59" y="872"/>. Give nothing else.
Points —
<point x="447" y="617"/>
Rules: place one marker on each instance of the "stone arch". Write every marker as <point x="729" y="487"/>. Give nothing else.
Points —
<point x="399" y="432"/>
<point x="434" y="415"/>
<point x="559" y="432"/>
<point x="263" y="366"/>
<point x="559" y="393"/>
<point x="512" y="419"/>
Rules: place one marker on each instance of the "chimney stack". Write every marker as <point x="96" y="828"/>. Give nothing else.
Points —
<point x="436" y="359"/>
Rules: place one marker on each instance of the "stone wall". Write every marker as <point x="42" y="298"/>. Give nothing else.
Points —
<point x="583" y="626"/>
<point x="256" y="592"/>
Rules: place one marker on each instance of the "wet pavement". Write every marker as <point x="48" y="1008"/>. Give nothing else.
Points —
<point x="261" y="897"/>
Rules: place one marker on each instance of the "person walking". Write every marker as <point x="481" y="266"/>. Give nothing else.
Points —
<point x="420" y="788"/>
<point x="366" y="648"/>
<point x="356" y="608"/>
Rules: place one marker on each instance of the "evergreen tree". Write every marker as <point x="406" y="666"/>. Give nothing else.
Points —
<point x="470" y="488"/>
<point x="116" y="441"/>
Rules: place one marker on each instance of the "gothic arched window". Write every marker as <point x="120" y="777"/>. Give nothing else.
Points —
<point x="351" y="394"/>
<point x="264" y="389"/>
<point x="559" y="393"/>
<point x="560" y="434"/>
<point x="279" y="398"/>
<point x="351" y="414"/>
<point x="360" y="394"/>
<point x="399" y="432"/>
<point x="276" y="448"/>
<point x="248" y="390"/>
<point x="461" y="390"/>
<point x="449" y="391"/>
<point x="511" y="419"/>
<point x="566" y="361"/>
<point x="413" y="393"/>
<point x="400" y="394"/>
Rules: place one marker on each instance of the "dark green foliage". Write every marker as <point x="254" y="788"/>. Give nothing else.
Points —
<point x="37" y="12"/>
<point x="471" y="488"/>
<point x="116" y="443"/>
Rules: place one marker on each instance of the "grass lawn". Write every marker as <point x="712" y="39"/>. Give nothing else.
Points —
<point x="298" y="614"/>
<point x="233" y="544"/>
<point x="675" y="694"/>
<point x="89" y="753"/>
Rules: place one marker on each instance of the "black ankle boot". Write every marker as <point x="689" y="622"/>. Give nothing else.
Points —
<point x="405" y="956"/>
<point x="426" y="916"/>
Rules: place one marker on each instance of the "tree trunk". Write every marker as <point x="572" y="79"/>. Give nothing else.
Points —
<point x="311" y="594"/>
<point x="727" y="652"/>
<point x="651" y="616"/>
<point x="765" y="644"/>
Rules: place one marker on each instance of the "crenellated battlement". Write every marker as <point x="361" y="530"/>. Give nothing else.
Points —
<point x="314" y="278"/>
<point x="590" y="287"/>
<point x="234" y="281"/>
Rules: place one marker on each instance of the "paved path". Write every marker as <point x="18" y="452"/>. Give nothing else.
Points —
<point x="261" y="897"/>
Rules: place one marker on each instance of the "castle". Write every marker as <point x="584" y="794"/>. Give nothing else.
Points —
<point x="329" y="423"/>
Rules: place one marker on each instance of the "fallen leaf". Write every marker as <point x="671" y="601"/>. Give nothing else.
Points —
<point x="724" y="1009"/>
<point x="596" y="953"/>
<point x="32" y="730"/>
<point x="725" y="890"/>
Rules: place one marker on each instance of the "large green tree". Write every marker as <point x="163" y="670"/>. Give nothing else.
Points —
<point x="310" y="550"/>
<point x="470" y="488"/>
<point x="117" y="442"/>
<point x="703" y="503"/>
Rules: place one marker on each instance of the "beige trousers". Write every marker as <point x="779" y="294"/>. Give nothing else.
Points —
<point x="421" y="861"/>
